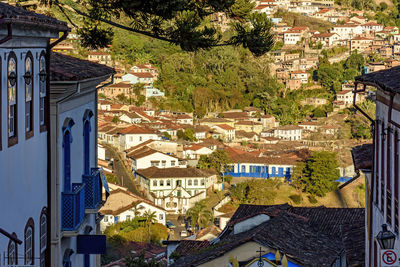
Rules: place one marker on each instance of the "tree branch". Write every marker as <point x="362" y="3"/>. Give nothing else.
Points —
<point x="120" y="25"/>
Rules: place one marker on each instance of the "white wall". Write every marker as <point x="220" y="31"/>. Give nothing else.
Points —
<point x="23" y="167"/>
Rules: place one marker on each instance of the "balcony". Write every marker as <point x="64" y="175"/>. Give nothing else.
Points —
<point x="93" y="189"/>
<point x="73" y="207"/>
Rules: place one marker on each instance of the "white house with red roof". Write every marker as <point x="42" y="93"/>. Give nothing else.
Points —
<point x="325" y="13"/>
<point x="100" y="57"/>
<point x="147" y="67"/>
<point x="347" y="31"/>
<point x="326" y="39"/>
<point x="300" y="75"/>
<point x="294" y="35"/>
<point x="195" y="151"/>
<point x="266" y="8"/>
<point x="134" y="135"/>
<point x="371" y="27"/>
<point x="227" y="131"/>
<point x="139" y="77"/>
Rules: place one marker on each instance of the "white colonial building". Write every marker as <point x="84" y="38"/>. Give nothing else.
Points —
<point x="288" y="132"/>
<point x="24" y="139"/>
<point x="135" y="135"/>
<point x="122" y="206"/>
<point x="176" y="189"/>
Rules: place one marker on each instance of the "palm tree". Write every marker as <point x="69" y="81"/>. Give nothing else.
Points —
<point x="150" y="218"/>
<point x="200" y="215"/>
<point x="136" y="209"/>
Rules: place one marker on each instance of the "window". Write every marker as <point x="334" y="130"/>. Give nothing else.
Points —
<point x="12" y="99"/>
<point x="86" y="141"/>
<point x="43" y="237"/>
<point x="105" y="218"/>
<point x="172" y="162"/>
<point x="202" y="181"/>
<point x="163" y="163"/>
<point x="160" y="216"/>
<point x="161" y="182"/>
<point x="128" y="217"/>
<point x="243" y="168"/>
<point x="196" y="182"/>
<point x="12" y="252"/>
<point x="68" y="123"/>
<point x="28" y="77"/>
<point x="29" y="242"/>
<point x="189" y="182"/>
<point x="168" y="182"/>
<point x="155" y="183"/>
<point x="42" y="91"/>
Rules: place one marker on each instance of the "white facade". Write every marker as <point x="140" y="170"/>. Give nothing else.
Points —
<point x="153" y="92"/>
<point x="347" y="31"/>
<point x="289" y="133"/>
<point x="131" y="140"/>
<point x="134" y="78"/>
<point x="156" y="159"/>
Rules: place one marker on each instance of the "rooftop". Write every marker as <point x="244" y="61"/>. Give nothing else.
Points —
<point x="154" y="172"/>
<point x="387" y="80"/>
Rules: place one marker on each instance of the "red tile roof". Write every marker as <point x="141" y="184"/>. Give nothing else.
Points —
<point x="142" y="74"/>
<point x="133" y="129"/>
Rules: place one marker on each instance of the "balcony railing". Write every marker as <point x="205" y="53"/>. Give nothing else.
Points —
<point x="92" y="189"/>
<point x="72" y="207"/>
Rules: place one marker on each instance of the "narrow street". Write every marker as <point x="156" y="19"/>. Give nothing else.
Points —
<point x="124" y="176"/>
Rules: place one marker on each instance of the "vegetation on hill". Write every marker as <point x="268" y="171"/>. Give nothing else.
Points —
<point x="298" y="20"/>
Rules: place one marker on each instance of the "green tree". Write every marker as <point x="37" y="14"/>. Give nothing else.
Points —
<point x="115" y="119"/>
<point x="167" y="135"/>
<point x="180" y="22"/>
<point x="150" y="218"/>
<point x="259" y="192"/>
<point x="218" y="160"/>
<point x="111" y="178"/>
<point x="320" y="173"/>
<point x="199" y="215"/>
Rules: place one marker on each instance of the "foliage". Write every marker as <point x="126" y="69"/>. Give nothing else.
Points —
<point x="140" y="100"/>
<point x="312" y="199"/>
<point x="187" y="135"/>
<point x="360" y="126"/>
<point x="111" y="178"/>
<point x="199" y="215"/>
<point x="167" y="135"/>
<point x="181" y="22"/>
<point x="218" y="160"/>
<point x="115" y="119"/>
<point x="319" y="173"/>
<point x="296" y="19"/>
<point x="297" y="198"/>
<point x="228" y="179"/>
<point x="259" y="192"/>
<point x="135" y="261"/>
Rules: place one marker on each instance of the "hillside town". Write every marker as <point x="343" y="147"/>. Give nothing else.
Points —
<point x="129" y="179"/>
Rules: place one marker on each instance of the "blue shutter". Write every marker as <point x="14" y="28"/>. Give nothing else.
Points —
<point x="67" y="161"/>
<point x="86" y="144"/>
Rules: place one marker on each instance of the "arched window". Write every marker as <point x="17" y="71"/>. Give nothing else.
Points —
<point x="86" y="141"/>
<point x="243" y="168"/>
<point x="12" y="99"/>
<point x="42" y="90"/>
<point x="28" y="77"/>
<point x="189" y="182"/>
<point x="196" y="182"/>
<point x="12" y="253"/>
<point x="43" y="237"/>
<point x="29" y="242"/>
<point x="67" y="140"/>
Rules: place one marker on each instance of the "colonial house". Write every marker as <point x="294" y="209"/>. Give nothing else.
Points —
<point x="210" y="122"/>
<point x="183" y="118"/>
<point x="379" y="162"/>
<point x="347" y="31"/>
<point x="264" y="236"/>
<point x="134" y="135"/>
<point x="249" y="126"/>
<point x="325" y="13"/>
<point x="147" y="67"/>
<point x="246" y="136"/>
<point x="346" y="96"/>
<point x="310" y="126"/>
<point x="138" y="77"/>
<point x="371" y="27"/>
<point x="227" y="131"/>
<point x="77" y="184"/>
<point x="146" y="157"/>
<point x="266" y="8"/>
<point x="123" y="205"/>
<point x="101" y="58"/>
<point x="130" y="117"/>
<point x="288" y="132"/>
<point x="326" y="39"/>
<point x="195" y="151"/>
<point x="245" y="165"/>
<point x="200" y="132"/>
<point x="176" y="189"/>
<point x="359" y="19"/>
<point x="116" y="89"/>
<point x="360" y="43"/>
<point x="25" y="199"/>
<point x="300" y="75"/>
<point x="295" y="35"/>
<point x="268" y="121"/>
<point x="151" y="91"/>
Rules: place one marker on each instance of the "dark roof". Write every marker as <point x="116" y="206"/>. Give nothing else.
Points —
<point x="362" y="156"/>
<point x="387" y="80"/>
<point x="66" y="68"/>
<point x="289" y="234"/>
<point x="189" y="246"/>
<point x="15" y="15"/>
<point x="312" y="236"/>
<point x="154" y="172"/>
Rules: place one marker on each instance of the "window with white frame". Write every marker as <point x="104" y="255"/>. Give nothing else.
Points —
<point x="189" y="182"/>
<point x="12" y="253"/>
<point x="28" y="77"/>
<point x="43" y="239"/>
<point x="29" y="246"/>
<point x="172" y="162"/>
<point x="161" y="216"/>
<point x="196" y="182"/>
<point x="12" y="95"/>
<point x="155" y="183"/>
<point x="161" y="182"/>
<point x="42" y="88"/>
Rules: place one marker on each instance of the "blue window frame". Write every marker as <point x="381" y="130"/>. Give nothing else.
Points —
<point x="86" y="141"/>
<point x="273" y="170"/>
<point x="287" y="171"/>
<point x="280" y="171"/>
<point x="243" y="168"/>
<point x="67" y="140"/>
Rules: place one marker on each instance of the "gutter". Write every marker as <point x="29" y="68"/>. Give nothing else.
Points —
<point x="10" y="236"/>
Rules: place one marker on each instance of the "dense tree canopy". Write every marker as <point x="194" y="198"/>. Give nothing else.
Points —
<point x="182" y="22"/>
